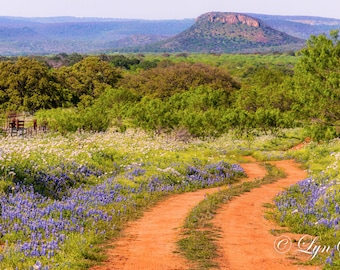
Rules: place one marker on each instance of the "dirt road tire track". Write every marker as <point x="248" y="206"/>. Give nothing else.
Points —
<point x="246" y="241"/>
<point x="150" y="242"/>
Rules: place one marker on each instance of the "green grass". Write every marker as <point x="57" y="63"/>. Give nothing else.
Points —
<point x="117" y="154"/>
<point x="198" y="243"/>
<point x="311" y="207"/>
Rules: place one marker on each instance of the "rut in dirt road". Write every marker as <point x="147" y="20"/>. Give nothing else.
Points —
<point x="150" y="242"/>
<point x="246" y="241"/>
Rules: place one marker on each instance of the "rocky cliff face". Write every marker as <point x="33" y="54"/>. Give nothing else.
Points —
<point x="229" y="18"/>
<point x="219" y="32"/>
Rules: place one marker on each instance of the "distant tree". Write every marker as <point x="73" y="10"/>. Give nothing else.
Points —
<point x="123" y="61"/>
<point x="73" y="58"/>
<point x="91" y="77"/>
<point x="27" y="84"/>
<point x="262" y="76"/>
<point x="317" y="78"/>
<point x="62" y="59"/>
<point x="146" y="64"/>
<point x="163" y="82"/>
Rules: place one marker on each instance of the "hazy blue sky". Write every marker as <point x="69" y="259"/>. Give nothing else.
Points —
<point x="170" y="9"/>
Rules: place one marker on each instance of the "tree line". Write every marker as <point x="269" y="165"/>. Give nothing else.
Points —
<point x="96" y="92"/>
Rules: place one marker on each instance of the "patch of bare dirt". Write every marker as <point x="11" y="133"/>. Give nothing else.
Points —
<point x="246" y="241"/>
<point x="150" y="242"/>
<point x="302" y="144"/>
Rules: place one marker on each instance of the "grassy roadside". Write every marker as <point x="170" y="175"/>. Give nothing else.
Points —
<point x="198" y="242"/>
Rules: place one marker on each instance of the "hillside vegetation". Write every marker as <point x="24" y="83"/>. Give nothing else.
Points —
<point x="174" y="93"/>
<point x="222" y="32"/>
<point x="26" y="36"/>
<point x="300" y="26"/>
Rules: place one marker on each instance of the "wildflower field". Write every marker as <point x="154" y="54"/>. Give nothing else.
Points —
<point x="312" y="207"/>
<point x="62" y="196"/>
<point x="126" y="131"/>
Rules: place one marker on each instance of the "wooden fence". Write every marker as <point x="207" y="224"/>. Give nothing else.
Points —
<point x="15" y="124"/>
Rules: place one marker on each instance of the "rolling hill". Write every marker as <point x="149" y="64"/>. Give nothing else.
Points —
<point x="221" y="32"/>
<point x="300" y="26"/>
<point x="81" y="35"/>
<point x="53" y="35"/>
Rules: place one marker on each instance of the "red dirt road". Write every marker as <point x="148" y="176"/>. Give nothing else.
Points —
<point x="150" y="242"/>
<point x="246" y="241"/>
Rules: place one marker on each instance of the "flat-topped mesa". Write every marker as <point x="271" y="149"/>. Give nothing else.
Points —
<point x="229" y="18"/>
<point x="228" y="32"/>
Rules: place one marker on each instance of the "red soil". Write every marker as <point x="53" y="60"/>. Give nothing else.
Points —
<point x="302" y="144"/>
<point x="150" y="242"/>
<point x="246" y="241"/>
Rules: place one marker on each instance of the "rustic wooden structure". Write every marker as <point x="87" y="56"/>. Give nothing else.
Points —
<point x="20" y="125"/>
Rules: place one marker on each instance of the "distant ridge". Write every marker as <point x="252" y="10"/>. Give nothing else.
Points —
<point x="81" y="35"/>
<point x="225" y="32"/>
<point x="300" y="26"/>
<point x="53" y="35"/>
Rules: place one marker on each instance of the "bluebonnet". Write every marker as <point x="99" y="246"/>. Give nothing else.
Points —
<point x="43" y="223"/>
<point x="314" y="201"/>
<point x="53" y="181"/>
